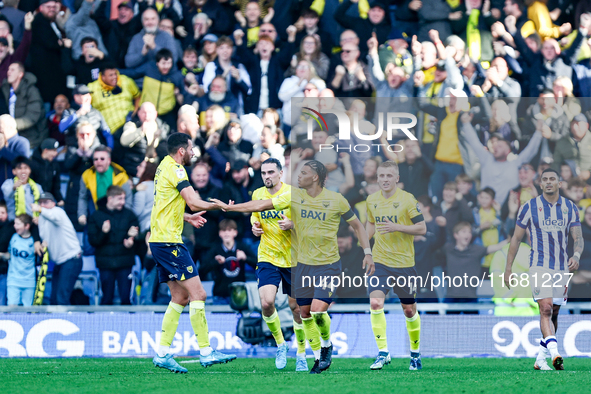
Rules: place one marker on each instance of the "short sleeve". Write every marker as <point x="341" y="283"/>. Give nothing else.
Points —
<point x="480" y="251"/>
<point x="181" y="180"/>
<point x="345" y="209"/>
<point x="370" y="217"/>
<point x="414" y="212"/>
<point x="524" y="216"/>
<point x="282" y="201"/>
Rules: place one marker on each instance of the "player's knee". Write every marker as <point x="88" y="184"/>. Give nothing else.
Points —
<point x="180" y="299"/>
<point x="376" y="303"/>
<point x="409" y="310"/>
<point x="268" y="306"/>
<point x="546" y="310"/>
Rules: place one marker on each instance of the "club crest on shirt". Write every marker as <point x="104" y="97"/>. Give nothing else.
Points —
<point x="375" y="206"/>
<point x="565" y="210"/>
<point x="396" y="205"/>
<point x="326" y="204"/>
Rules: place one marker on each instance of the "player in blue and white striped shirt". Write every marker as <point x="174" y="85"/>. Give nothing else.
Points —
<point x="549" y="219"/>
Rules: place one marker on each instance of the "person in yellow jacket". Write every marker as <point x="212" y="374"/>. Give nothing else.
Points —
<point x="96" y="180"/>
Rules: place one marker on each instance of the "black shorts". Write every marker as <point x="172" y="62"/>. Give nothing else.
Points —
<point x="269" y="274"/>
<point x="399" y="280"/>
<point x="313" y="282"/>
<point x="173" y="261"/>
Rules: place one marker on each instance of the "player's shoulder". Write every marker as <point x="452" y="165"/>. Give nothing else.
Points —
<point x="259" y="193"/>
<point x="406" y="196"/>
<point x="332" y="195"/>
<point x="374" y="196"/>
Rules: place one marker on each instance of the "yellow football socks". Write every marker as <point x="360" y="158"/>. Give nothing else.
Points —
<point x="323" y="322"/>
<point x="274" y="325"/>
<point x="199" y="324"/>
<point x="298" y="329"/>
<point x="378" y="325"/>
<point x="312" y="334"/>
<point x="170" y="322"/>
<point x="413" y="326"/>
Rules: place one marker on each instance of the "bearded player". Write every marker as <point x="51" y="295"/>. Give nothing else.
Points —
<point x="317" y="214"/>
<point x="275" y="262"/>
<point x="172" y="191"/>
<point x="549" y="218"/>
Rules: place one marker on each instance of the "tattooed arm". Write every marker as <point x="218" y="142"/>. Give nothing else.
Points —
<point x="579" y="243"/>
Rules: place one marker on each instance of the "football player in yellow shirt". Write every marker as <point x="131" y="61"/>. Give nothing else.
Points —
<point x="396" y="216"/>
<point x="172" y="191"/>
<point x="316" y="214"/>
<point x="275" y="263"/>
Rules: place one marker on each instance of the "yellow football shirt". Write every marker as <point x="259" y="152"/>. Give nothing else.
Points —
<point x="275" y="246"/>
<point x="316" y="221"/>
<point x="169" y="206"/>
<point x="394" y="249"/>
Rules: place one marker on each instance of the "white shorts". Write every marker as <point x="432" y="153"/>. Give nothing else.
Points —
<point x="547" y="283"/>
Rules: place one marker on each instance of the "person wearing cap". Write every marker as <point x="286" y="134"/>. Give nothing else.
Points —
<point x="83" y="112"/>
<point x="576" y="147"/>
<point x="80" y="26"/>
<point x="495" y="171"/>
<point x="377" y="22"/>
<point x="145" y="44"/>
<point x="117" y="34"/>
<point x="396" y="51"/>
<point x="25" y="104"/>
<point x="20" y="53"/>
<point x="237" y="78"/>
<point x="46" y="52"/>
<point x="46" y="170"/>
<point x="86" y="67"/>
<point x="58" y="235"/>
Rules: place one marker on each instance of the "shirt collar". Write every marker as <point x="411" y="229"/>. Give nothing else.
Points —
<point x="546" y="202"/>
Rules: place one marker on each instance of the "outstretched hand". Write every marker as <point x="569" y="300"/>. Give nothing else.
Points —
<point x="197" y="220"/>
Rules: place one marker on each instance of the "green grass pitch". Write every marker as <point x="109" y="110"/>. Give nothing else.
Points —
<point x="467" y="375"/>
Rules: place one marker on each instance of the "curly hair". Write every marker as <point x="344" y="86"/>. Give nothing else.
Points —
<point x="319" y="169"/>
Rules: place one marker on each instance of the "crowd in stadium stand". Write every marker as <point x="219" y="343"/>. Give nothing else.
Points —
<point x="91" y="89"/>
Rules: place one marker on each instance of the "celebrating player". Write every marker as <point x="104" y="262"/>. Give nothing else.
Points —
<point x="274" y="262"/>
<point x="175" y="266"/>
<point x="549" y="219"/>
<point x="396" y="216"/>
<point x="317" y="214"/>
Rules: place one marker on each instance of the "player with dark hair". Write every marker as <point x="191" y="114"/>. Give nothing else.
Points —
<point x="172" y="191"/>
<point x="274" y="267"/>
<point x="549" y="218"/>
<point x="316" y="214"/>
